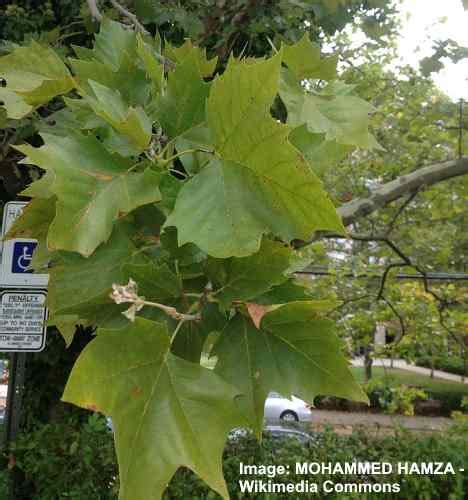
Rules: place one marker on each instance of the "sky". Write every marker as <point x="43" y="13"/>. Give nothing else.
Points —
<point x="421" y="26"/>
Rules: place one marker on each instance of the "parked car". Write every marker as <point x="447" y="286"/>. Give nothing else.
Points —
<point x="278" y="407"/>
<point x="278" y="433"/>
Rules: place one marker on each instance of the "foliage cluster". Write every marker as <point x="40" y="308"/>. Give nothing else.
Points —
<point x="83" y="466"/>
<point x="443" y="361"/>
<point x="67" y="459"/>
<point x="173" y="186"/>
<point x="172" y="179"/>
<point x="394" y="398"/>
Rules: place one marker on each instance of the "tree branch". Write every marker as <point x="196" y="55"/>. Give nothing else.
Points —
<point x="94" y="10"/>
<point x="393" y="190"/>
<point x="129" y="15"/>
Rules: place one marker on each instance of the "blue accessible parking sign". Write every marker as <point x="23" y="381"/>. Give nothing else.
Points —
<point x="17" y="253"/>
<point x="22" y="255"/>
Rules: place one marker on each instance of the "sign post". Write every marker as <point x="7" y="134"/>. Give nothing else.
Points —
<point x="23" y="317"/>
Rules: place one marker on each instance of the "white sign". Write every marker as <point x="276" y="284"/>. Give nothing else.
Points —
<point x="23" y="317"/>
<point x="17" y="254"/>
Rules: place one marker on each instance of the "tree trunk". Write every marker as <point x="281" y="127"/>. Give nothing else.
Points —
<point x="368" y="364"/>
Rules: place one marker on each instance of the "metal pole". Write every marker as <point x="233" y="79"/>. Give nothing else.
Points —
<point x="16" y="375"/>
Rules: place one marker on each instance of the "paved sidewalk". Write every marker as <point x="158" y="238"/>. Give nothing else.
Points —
<point x="403" y="365"/>
<point x="375" y="422"/>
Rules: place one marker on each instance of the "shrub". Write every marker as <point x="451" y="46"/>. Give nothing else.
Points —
<point x="448" y="364"/>
<point x="394" y="398"/>
<point x="72" y="459"/>
<point x="330" y="447"/>
<point x="69" y="462"/>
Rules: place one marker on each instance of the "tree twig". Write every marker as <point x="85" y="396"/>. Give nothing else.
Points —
<point x="129" y="15"/>
<point x="397" y="314"/>
<point x="94" y="10"/>
<point x="400" y="210"/>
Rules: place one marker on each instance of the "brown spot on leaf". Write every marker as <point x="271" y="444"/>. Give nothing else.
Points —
<point x="91" y="407"/>
<point x="136" y="391"/>
<point x="256" y="312"/>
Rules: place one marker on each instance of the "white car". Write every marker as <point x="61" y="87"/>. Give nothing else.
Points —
<point x="278" y="407"/>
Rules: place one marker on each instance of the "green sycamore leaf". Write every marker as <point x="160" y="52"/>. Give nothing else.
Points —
<point x="129" y="78"/>
<point x="289" y="291"/>
<point x="191" y="338"/>
<point x="166" y="412"/>
<point x="13" y="104"/>
<point x="113" y="43"/>
<point x="115" y="63"/>
<point x="81" y="286"/>
<point x="319" y="152"/>
<point x="258" y="183"/>
<point x="34" y="220"/>
<point x="93" y="189"/>
<point x="189" y="341"/>
<point x="66" y="325"/>
<point x="182" y="106"/>
<point x="294" y="352"/>
<point x="154" y="282"/>
<point x="41" y="188"/>
<point x="34" y="75"/>
<point x="196" y="139"/>
<point x="132" y="122"/>
<point x="303" y="59"/>
<point x="188" y="50"/>
<point x="154" y="69"/>
<point x="342" y="118"/>
<point x="241" y="279"/>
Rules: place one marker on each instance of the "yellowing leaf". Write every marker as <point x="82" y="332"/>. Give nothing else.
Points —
<point x="154" y="69"/>
<point x="166" y="412"/>
<point x="303" y="59"/>
<point x="133" y="123"/>
<point x="343" y="117"/>
<point x="188" y="50"/>
<point x="93" y="189"/>
<point x="34" y="75"/>
<point x="258" y="183"/>
<point x="15" y="106"/>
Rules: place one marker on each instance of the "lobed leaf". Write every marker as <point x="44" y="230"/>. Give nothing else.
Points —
<point x="295" y="352"/>
<point x="241" y="279"/>
<point x="303" y="59"/>
<point x="132" y="122"/>
<point x="258" y="183"/>
<point x="166" y="412"/>
<point x="182" y="106"/>
<point x="34" y="75"/>
<point x="93" y="189"/>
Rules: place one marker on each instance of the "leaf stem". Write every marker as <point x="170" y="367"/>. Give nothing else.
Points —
<point x="166" y="161"/>
<point x="176" y="331"/>
<point x="172" y="311"/>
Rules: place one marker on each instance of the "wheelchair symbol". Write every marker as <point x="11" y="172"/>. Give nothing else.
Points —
<point x="22" y="256"/>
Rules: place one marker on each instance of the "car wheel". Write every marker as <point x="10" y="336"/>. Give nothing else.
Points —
<point x="289" y="416"/>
